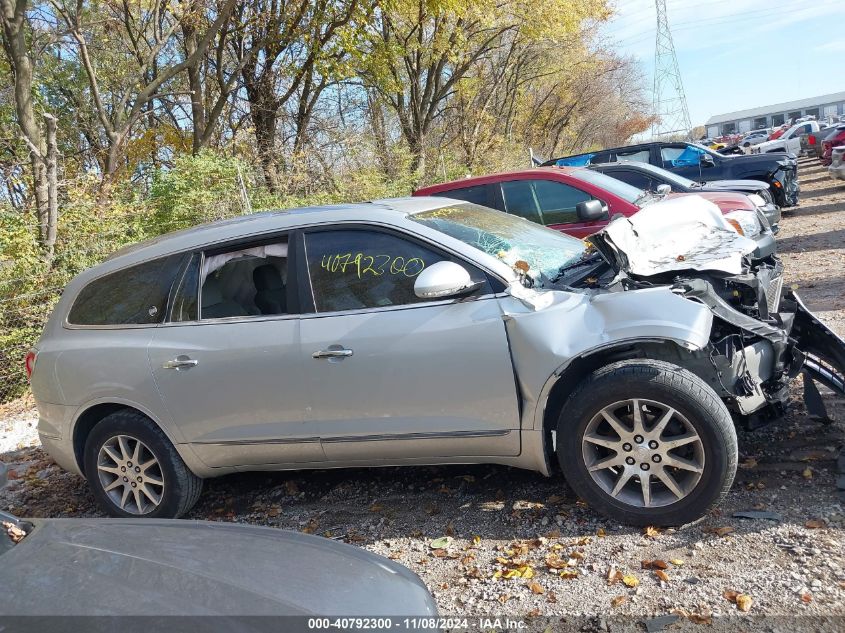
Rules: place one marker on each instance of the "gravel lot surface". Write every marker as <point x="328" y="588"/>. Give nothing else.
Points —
<point x="494" y="540"/>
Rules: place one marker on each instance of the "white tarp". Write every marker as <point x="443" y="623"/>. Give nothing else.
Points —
<point x="681" y="233"/>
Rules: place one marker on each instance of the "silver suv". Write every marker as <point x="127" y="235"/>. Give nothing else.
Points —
<point x="414" y="331"/>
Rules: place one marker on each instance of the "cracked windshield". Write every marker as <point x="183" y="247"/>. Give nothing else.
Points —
<point x="509" y="238"/>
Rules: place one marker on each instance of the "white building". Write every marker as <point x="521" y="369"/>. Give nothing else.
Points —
<point x="742" y="121"/>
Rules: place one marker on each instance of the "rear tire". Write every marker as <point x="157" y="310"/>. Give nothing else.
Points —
<point x="134" y="471"/>
<point x="606" y="451"/>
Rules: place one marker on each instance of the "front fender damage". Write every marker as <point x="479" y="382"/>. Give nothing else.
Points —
<point x="545" y="340"/>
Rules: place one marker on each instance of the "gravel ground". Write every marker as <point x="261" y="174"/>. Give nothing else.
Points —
<point x="492" y="540"/>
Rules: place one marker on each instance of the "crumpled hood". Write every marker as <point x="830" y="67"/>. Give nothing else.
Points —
<point x="157" y="567"/>
<point x="674" y="234"/>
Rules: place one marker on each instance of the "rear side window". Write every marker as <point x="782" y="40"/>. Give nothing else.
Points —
<point x="636" y="156"/>
<point x="477" y="194"/>
<point x="133" y="296"/>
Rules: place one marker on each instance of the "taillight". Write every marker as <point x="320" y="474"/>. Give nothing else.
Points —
<point x="29" y="363"/>
<point x="812" y="139"/>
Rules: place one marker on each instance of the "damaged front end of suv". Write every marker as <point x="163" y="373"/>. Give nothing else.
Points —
<point x="762" y="337"/>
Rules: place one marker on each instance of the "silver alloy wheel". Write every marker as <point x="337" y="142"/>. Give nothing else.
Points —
<point x="130" y="474"/>
<point x="643" y="453"/>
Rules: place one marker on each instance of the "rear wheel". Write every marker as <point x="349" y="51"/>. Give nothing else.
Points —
<point x="647" y="443"/>
<point x="134" y="470"/>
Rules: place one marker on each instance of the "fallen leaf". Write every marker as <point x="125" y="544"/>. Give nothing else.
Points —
<point x="808" y="473"/>
<point x="662" y="575"/>
<point x="722" y="531"/>
<point x="450" y="529"/>
<point x="439" y="553"/>
<point x="394" y="555"/>
<point x="659" y="564"/>
<point x="730" y="595"/>
<point x="312" y="526"/>
<point x="476" y="540"/>
<point x="749" y="463"/>
<point x="551" y="598"/>
<point x="553" y="562"/>
<point x="503" y="598"/>
<point x="743" y="602"/>
<point x="291" y="487"/>
<point x="601" y="533"/>
<point x="613" y="576"/>
<point x="806" y="597"/>
<point x="274" y="511"/>
<point x="466" y="560"/>
<point x="536" y="587"/>
<point x="651" y="531"/>
<point x="630" y="581"/>
<point x="440" y="543"/>
<point x="533" y="613"/>
<point x="553" y="534"/>
<point x="577" y="555"/>
<point x="554" y="499"/>
<point x="677" y="562"/>
<point x="14" y="532"/>
<point x="569" y="574"/>
<point x="615" y="602"/>
<point x="444" y="585"/>
<point x="468" y="478"/>
<point x="645" y="564"/>
<point x="814" y="524"/>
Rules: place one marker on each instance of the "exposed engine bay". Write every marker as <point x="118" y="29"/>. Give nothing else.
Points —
<point x="762" y="337"/>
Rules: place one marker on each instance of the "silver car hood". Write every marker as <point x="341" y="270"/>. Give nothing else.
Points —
<point x="685" y="233"/>
<point x="125" y="567"/>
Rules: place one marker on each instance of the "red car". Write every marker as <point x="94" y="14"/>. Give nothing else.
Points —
<point x="573" y="200"/>
<point x="834" y="138"/>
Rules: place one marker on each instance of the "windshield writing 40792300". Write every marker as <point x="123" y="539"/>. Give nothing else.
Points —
<point x="377" y="265"/>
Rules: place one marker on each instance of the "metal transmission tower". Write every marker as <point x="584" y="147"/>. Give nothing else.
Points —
<point x="669" y="100"/>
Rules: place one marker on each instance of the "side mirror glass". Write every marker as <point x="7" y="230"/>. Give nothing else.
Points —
<point x="663" y="189"/>
<point x="443" y="280"/>
<point x="591" y="211"/>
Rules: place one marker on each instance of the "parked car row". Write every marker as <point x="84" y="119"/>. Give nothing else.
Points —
<point x="700" y="164"/>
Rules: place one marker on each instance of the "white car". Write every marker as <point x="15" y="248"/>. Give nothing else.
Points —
<point x="790" y="141"/>
<point x="755" y="138"/>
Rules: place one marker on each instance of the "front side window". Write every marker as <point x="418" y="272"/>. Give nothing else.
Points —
<point x="633" y="178"/>
<point x="133" y="296"/>
<point x="361" y="269"/>
<point x="681" y="156"/>
<point x="250" y="281"/>
<point x="545" y="202"/>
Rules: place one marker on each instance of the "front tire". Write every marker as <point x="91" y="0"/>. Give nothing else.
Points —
<point x="134" y="470"/>
<point x="646" y="442"/>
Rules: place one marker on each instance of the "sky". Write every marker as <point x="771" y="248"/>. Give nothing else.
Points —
<point x="738" y="54"/>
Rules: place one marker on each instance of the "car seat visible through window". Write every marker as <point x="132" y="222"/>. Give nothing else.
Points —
<point x="270" y="295"/>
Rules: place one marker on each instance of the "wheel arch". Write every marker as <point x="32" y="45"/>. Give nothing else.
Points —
<point x="564" y="381"/>
<point x="93" y="413"/>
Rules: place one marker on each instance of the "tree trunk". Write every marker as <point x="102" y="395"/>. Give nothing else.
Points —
<point x="13" y="18"/>
<point x="52" y="187"/>
<point x="195" y="84"/>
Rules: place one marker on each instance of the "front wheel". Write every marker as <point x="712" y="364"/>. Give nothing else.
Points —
<point x="647" y="443"/>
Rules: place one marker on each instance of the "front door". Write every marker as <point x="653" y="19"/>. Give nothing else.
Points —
<point x="229" y="369"/>
<point x="392" y="376"/>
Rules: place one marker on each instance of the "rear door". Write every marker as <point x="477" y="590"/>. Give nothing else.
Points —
<point x="391" y="376"/>
<point x="227" y="363"/>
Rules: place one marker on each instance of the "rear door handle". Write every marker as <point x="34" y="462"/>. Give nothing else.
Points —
<point x="180" y="362"/>
<point x="333" y="351"/>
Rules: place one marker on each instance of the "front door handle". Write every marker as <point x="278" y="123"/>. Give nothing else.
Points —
<point x="333" y="351"/>
<point x="180" y="362"/>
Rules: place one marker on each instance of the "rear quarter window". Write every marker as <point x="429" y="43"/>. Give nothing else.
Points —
<point x="133" y="296"/>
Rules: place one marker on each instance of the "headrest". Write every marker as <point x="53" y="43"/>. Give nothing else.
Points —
<point x="212" y="294"/>
<point x="267" y="277"/>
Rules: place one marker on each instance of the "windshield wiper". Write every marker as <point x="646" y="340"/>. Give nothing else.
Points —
<point x="581" y="262"/>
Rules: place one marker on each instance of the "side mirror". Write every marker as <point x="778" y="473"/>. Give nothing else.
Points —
<point x="442" y="280"/>
<point x="591" y="211"/>
<point x="663" y="189"/>
<point x="706" y="160"/>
